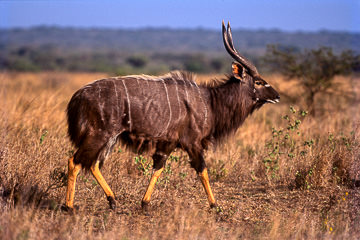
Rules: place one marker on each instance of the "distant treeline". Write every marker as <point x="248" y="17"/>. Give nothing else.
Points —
<point x="149" y="50"/>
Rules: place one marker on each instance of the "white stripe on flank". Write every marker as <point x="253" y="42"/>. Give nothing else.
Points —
<point x="167" y="96"/>
<point x="187" y="96"/>
<point x="128" y="100"/>
<point x="117" y="100"/>
<point x="142" y="89"/>
<point x="101" y="104"/>
<point x="202" y="101"/>
<point x="177" y="95"/>
<point x="99" y="93"/>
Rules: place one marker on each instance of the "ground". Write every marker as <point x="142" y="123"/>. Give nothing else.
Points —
<point x="276" y="178"/>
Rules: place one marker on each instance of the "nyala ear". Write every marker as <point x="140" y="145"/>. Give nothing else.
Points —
<point x="238" y="70"/>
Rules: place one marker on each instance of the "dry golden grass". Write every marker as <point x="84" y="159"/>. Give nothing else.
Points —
<point x="312" y="194"/>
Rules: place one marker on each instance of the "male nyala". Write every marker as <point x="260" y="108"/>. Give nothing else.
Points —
<point x="158" y="114"/>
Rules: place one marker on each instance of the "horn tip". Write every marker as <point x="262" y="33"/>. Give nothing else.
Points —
<point x="223" y="26"/>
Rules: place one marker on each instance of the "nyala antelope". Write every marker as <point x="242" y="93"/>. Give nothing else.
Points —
<point x="158" y="114"/>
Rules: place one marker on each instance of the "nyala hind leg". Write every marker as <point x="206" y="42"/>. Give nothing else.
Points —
<point x="73" y="171"/>
<point x="90" y="155"/>
<point x="101" y="181"/>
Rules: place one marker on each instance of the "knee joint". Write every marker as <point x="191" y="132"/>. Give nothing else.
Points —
<point x="159" y="160"/>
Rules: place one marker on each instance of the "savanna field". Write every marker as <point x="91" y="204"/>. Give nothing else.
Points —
<point x="283" y="175"/>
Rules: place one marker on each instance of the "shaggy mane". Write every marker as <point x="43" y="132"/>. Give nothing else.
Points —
<point x="184" y="76"/>
<point x="216" y="82"/>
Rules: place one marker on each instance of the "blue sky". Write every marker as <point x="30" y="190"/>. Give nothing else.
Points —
<point x="289" y="15"/>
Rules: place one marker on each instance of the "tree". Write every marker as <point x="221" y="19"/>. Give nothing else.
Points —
<point x="137" y="61"/>
<point x="217" y="64"/>
<point x="195" y="63"/>
<point x="315" y="69"/>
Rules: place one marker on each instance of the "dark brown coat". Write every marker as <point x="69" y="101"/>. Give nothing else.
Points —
<point x="148" y="113"/>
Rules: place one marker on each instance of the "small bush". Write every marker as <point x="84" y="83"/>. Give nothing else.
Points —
<point x="314" y="69"/>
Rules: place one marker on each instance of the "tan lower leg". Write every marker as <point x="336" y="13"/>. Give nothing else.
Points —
<point x="100" y="179"/>
<point x="204" y="177"/>
<point x="150" y="188"/>
<point x="73" y="171"/>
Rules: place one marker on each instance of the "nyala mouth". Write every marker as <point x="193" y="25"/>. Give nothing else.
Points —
<point x="273" y="101"/>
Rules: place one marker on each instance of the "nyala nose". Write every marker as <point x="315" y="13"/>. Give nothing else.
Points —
<point x="277" y="99"/>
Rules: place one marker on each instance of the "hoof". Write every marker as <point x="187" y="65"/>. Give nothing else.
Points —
<point x="68" y="209"/>
<point x="145" y="206"/>
<point x="213" y="205"/>
<point x="112" y="202"/>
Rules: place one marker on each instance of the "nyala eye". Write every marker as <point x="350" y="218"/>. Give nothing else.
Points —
<point x="258" y="83"/>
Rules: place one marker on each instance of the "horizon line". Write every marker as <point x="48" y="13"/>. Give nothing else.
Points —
<point x="201" y="28"/>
